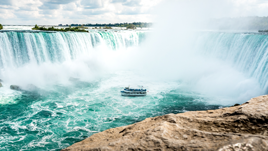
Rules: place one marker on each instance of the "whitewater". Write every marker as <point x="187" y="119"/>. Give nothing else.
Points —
<point x="72" y="81"/>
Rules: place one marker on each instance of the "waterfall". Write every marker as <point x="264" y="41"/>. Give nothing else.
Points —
<point x="245" y="52"/>
<point x="19" y="48"/>
<point x="77" y="79"/>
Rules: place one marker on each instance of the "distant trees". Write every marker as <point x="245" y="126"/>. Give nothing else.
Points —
<point x="83" y="27"/>
<point x="107" y="27"/>
<point x="137" y="24"/>
<point x="131" y="26"/>
<point x="263" y="31"/>
<point x="74" y="29"/>
<point x="1" y="27"/>
<point x="36" y="27"/>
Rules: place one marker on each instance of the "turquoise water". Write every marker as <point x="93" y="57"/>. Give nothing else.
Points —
<point x="72" y="81"/>
<point x="246" y="52"/>
<point x="19" y="48"/>
<point x="53" y="119"/>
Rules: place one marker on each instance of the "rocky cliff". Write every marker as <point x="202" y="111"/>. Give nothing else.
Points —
<point x="243" y="127"/>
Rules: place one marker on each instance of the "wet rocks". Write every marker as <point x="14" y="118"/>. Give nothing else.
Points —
<point x="15" y="87"/>
<point x="27" y="88"/>
<point x="243" y="127"/>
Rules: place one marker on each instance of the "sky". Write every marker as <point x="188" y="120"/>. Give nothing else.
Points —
<point x="53" y="12"/>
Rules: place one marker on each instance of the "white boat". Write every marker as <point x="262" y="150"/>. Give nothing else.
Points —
<point x="133" y="92"/>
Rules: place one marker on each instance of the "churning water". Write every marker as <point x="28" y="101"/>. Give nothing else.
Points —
<point x="72" y="81"/>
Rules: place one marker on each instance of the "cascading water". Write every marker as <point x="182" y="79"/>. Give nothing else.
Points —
<point x="66" y="107"/>
<point x="19" y="48"/>
<point x="246" y="52"/>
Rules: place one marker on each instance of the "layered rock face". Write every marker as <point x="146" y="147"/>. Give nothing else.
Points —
<point x="243" y="127"/>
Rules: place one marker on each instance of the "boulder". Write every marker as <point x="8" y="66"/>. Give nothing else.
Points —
<point x="15" y="87"/>
<point x="241" y="127"/>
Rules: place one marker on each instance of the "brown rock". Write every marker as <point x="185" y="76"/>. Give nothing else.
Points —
<point x="243" y="127"/>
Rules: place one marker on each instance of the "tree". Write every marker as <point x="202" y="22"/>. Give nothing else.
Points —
<point x="131" y="26"/>
<point x="36" y="27"/>
<point x="1" y="27"/>
<point x="107" y="27"/>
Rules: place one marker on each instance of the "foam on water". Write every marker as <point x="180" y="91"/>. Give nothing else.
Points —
<point x="8" y="96"/>
<point x="54" y="119"/>
<point x="78" y="78"/>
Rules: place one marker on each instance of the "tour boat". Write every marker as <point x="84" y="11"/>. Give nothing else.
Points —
<point x="133" y="92"/>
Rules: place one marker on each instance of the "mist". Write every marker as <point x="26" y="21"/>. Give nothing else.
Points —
<point x="169" y="54"/>
<point x="71" y="83"/>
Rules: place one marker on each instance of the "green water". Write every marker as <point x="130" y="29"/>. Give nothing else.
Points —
<point x="60" y="111"/>
<point x="56" y="117"/>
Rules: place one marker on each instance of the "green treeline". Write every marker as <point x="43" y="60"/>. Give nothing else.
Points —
<point x="74" y="29"/>
<point x="106" y="27"/>
<point x="137" y="24"/>
<point x="131" y="26"/>
<point x="1" y="27"/>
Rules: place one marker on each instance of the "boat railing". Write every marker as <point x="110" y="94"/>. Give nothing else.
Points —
<point x="134" y="92"/>
<point x="135" y="89"/>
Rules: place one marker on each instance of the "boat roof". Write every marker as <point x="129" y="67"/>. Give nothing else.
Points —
<point x="135" y="89"/>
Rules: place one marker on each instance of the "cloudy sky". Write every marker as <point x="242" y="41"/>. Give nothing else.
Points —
<point x="53" y="12"/>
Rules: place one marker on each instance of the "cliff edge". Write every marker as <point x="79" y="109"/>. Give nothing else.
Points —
<point x="243" y="127"/>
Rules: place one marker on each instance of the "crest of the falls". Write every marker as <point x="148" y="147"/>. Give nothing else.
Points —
<point x="52" y="51"/>
<point x="19" y="48"/>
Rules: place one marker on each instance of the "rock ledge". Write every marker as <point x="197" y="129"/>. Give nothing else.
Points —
<point x="243" y="127"/>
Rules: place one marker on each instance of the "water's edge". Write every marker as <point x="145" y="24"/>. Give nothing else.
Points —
<point x="221" y="129"/>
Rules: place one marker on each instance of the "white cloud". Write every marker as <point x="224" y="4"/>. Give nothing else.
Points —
<point x="111" y="11"/>
<point x="75" y="11"/>
<point x="249" y="8"/>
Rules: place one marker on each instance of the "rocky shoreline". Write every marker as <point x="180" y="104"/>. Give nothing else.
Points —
<point x="243" y="127"/>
